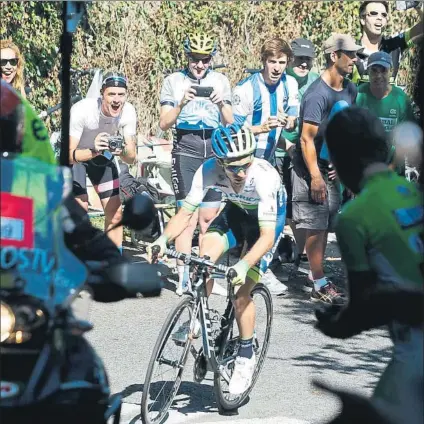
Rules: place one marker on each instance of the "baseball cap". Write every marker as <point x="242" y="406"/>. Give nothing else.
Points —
<point x="303" y="47"/>
<point x="380" y="58"/>
<point x="338" y="42"/>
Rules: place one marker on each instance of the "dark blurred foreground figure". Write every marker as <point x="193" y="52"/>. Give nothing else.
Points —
<point x="380" y="234"/>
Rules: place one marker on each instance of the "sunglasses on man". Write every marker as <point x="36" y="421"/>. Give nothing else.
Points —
<point x="236" y="169"/>
<point x="13" y="62"/>
<point x="375" y="14"/>
<point x="204" y="60"/>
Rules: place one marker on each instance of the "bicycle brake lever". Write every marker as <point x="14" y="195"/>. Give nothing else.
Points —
<point x="232" y="273"/>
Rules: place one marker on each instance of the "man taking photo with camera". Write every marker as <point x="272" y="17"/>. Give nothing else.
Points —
<point x="101" y="130"/>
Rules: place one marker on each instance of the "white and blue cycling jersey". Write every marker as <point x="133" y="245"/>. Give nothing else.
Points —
<point x="254" y="102"/>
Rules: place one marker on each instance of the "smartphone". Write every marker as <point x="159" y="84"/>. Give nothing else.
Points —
<point x="405" y="5"/>
<point x="202" y="91"/>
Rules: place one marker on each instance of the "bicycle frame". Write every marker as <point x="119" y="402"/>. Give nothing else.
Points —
<point x="202" y="310"/>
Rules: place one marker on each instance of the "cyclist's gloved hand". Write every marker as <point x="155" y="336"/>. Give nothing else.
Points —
<point x="241" y="268"/>
<point x="161" y="243"/>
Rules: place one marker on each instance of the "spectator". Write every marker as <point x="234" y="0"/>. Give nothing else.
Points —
<point x="12" y="65"/>
<point x="93" y="121"/>
<point x="194" y="117"/>
<point x="316" y="189"/>
<point x="374" y="17"/>
<point x="389" y="103"/>
<point x="300" y="69"/>
<point x="268" y="102"/>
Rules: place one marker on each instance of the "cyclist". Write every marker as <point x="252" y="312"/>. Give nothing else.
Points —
<point x="193" y="119"/>
<point x="380" y="235"/>
<point x="267" y="101"/>
<point x="255" y="212"/>
<point x="92" y="122"/>
<point x="373" y="18"/>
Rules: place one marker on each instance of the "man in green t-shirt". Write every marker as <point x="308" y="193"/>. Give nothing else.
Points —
<point x="389" y="103"/>
<point x="300" y="69"/>
<point x="386" y="101"/>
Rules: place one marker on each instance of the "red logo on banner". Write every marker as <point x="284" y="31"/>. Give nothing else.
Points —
<point x="17" y="221"/>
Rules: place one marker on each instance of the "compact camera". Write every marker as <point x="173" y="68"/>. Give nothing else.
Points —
<point x="202" y="91"/>
<point x="115" y="142"/>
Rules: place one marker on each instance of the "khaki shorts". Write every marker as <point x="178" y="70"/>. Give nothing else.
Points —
<point x="307" y="213"/>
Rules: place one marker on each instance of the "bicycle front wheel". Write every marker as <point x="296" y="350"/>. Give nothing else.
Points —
<point x="166" y="366"/>
<point x="264" y="312"/>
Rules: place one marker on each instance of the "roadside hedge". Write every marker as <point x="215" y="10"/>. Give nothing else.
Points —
<point x="142" y="39"/>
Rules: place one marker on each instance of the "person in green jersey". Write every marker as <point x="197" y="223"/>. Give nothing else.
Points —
<point x="301" y="69"/>
<point x="380" y="235"/>
<point x="388" y="102"/>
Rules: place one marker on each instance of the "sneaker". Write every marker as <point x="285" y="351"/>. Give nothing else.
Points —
<point x="328" y="294"/>
<point x="274" y="285"/>
<point x="181" y="335"/>
<point x="242" y="375"/>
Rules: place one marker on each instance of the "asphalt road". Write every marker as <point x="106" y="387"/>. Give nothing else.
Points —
<point x="125" y="333"/>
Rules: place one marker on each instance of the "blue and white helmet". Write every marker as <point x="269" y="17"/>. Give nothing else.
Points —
<point x="233" y="142"/>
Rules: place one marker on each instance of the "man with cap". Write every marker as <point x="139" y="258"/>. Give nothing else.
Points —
<point x="388" y="102"/>
<point x="300" y="69"/>
<point x="93" y="122"/>
<point x="316" y="194"/>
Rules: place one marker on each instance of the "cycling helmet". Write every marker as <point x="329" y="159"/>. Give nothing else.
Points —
<point x="12" y="119"/>
<point x="200" y="43"/>
<point x="233" y="142"/>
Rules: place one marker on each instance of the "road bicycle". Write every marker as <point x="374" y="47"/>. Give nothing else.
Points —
<point x="219" y="340"/>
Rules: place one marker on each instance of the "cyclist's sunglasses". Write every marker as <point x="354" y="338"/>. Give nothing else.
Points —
<point x="205" y="60"/>
<point x="13" y="62"/>
<point x="374" y="14"/>
<point x="235" y="169"/>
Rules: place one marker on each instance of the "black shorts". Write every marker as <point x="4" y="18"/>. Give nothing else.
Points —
<point x="237" y="227"/>
<point x="284" y="166"/>
<point x="183" y="170"/>
<point x="105" y="179"/>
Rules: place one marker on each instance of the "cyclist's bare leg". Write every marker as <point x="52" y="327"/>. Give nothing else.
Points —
<point x="184" y="241"/>
<point x="213" y="246"/>
<point x="245" y="310"/>
<point x="206" y="216"/>
<point x="113" y="214"/>
<point x="82" y="201"/>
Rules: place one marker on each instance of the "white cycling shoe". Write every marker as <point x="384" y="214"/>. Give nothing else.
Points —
<point x="242" y="375"/>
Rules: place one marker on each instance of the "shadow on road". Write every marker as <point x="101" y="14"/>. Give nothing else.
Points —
<point x="191" y="398"/>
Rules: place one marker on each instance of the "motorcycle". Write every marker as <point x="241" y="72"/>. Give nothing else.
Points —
<point x="49" y="372"/>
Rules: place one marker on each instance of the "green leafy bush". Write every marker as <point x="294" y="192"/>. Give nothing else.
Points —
<point x="142" y="39"/>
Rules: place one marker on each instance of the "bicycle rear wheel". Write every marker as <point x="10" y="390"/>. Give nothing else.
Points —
<point x="158" y="395"/>
<point x="264" y="311"/>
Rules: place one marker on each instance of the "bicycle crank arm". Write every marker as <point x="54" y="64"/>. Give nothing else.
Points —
<point x="173" y="364"/>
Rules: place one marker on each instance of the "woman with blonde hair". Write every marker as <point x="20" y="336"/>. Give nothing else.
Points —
<point x="12" y="65"/>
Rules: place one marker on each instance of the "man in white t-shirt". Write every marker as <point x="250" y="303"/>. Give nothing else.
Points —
<point x="93" y="152"/>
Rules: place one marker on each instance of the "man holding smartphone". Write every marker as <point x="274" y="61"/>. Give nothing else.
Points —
<point x="194" y="102"/>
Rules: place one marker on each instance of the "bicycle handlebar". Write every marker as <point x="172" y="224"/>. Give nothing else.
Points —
<point x="53" y="109"/>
